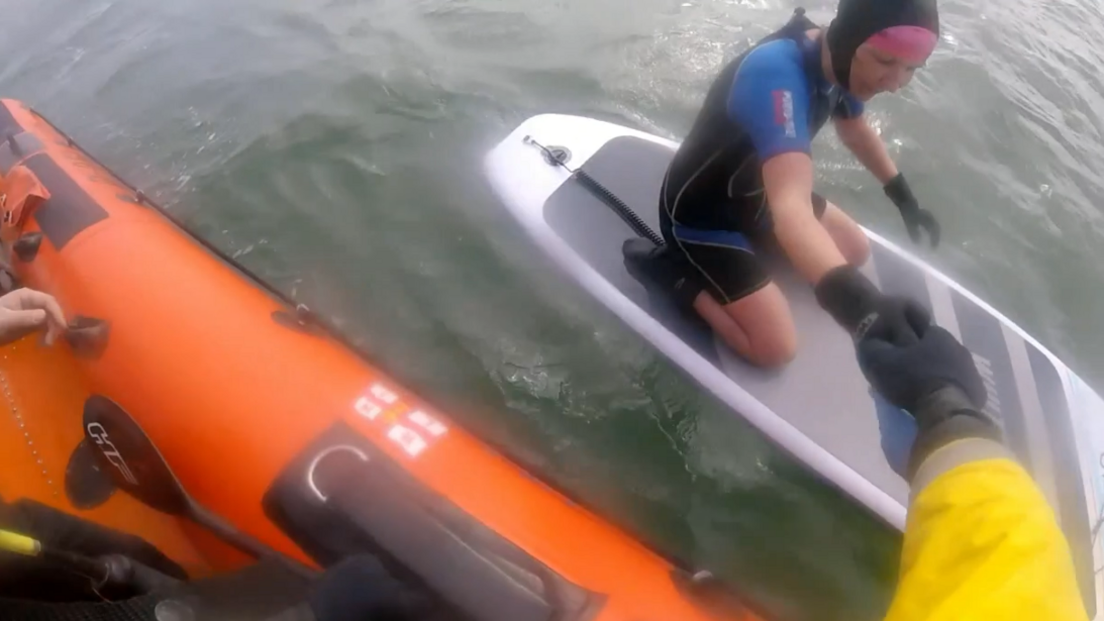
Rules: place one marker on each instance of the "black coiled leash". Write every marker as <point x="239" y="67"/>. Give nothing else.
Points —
<point x="600" y="191"/>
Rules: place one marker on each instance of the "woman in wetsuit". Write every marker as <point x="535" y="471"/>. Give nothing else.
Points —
<point x="744" y="175"/>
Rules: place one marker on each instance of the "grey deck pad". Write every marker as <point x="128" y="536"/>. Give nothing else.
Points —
<point x="822" y="392"/>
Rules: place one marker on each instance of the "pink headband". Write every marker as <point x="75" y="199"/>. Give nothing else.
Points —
<point x="911" y="43"/>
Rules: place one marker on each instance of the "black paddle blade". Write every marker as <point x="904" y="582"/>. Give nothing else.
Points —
<point x="129" y="457"/>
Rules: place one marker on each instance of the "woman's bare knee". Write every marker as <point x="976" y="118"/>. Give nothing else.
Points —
<point x="775" y="350"/>
<point x="759" y="327"/>
<point x="762" y="350"/>
<point x="856" y="248"/>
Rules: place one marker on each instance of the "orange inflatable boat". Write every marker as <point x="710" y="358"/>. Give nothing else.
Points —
<point x="271" y="421"/>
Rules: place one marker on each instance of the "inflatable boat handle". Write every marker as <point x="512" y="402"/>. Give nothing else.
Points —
<point x="26" y="247"/>
<point x="87" y="336"/>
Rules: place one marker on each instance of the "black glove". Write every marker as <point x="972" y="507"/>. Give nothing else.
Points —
<point x="934" y="379"/>
<point x="857" y="305"/>
<point x="906" y="374"/>
<point x="915" y="218"/>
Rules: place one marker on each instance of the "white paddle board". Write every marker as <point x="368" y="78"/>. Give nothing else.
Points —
<point x="819" y="408"/>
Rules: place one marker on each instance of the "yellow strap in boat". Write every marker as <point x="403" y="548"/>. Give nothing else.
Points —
<point x="19" y="544"/>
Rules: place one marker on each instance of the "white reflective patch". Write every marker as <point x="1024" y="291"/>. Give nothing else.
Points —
<point x="408" y="439"/>
<point x="383" y="393"/>
<point x="427" y="422"/>
<point x="367" y="408"/>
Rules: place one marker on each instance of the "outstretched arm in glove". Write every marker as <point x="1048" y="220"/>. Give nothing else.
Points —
<point x="861" y="139"/>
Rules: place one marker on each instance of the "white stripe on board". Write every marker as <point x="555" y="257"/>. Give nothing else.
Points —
<point x="1038" y="435"/>
<point x="943" y="313"/>
<point x="942" y="307"/>
<point x="867" y="269"/>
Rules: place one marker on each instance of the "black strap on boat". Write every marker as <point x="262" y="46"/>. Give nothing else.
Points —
<point x="601" y="192"/>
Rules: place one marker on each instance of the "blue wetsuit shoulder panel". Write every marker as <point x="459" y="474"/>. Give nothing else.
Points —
<point x="770" y="99"/>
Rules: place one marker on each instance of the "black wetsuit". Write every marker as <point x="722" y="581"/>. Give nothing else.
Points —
<point x="773" y="99"/>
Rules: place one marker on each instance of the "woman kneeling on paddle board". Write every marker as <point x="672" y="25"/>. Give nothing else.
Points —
<point x="744" y="174"/>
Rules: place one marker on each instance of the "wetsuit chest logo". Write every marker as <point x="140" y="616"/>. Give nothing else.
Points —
<point x="784" y="111"/>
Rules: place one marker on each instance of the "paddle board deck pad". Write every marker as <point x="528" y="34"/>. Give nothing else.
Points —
<point x="819" y="408"/>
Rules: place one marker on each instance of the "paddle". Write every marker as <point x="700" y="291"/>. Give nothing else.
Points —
<point x="135" y="465"/>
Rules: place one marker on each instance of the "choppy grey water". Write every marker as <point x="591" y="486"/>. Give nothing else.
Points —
<point x="334" y="146"/>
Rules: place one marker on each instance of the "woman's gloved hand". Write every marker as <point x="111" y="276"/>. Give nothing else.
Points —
<point x="915" y="218"/>
<point x="857" y="305"/>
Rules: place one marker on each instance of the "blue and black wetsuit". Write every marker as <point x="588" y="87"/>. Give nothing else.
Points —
<point x="773" y="99"/>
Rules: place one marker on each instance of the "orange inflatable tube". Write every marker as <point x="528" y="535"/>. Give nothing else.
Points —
<point x="271" y="421"/>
